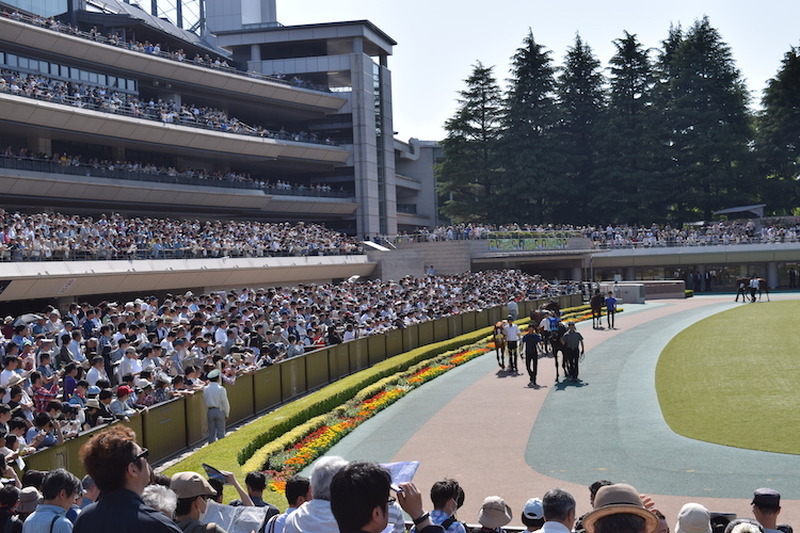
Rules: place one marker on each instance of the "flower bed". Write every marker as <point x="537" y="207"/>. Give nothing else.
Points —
<point x="323" y="434"/>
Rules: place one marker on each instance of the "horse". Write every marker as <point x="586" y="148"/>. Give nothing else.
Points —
<point x="499" y="338"/>
<point x="743" y="284"/>
<point x="763" y="287"/>
<point x="557" y="345"/>
<point x="596" y="303"/>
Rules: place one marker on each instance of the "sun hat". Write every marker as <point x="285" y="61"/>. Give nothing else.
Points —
<point x="494" y="512"/>
<point x="618" y="499"/>
<point x="29" y="498"/>
<point x="533" y="509"/>
<point x="693" y="518"/>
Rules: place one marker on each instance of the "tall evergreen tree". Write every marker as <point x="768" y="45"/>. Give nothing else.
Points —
<point x="529" y="181"/>
<point x="580" y="101"/>
<point x="779" y="136"/>
<point x="628" y="172"/>
<point x="705" y="105"/>
<point x="467" y="176"/>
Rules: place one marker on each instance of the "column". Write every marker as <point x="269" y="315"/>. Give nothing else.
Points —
<point x="772" y="275"/>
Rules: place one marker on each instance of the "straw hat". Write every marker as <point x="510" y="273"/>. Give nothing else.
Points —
<point x="619" y="499"/>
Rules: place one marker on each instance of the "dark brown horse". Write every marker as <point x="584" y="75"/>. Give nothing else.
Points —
<point x="596" y="303"/>
<point x="743" y="286"/>
<point x="499" y="338"/>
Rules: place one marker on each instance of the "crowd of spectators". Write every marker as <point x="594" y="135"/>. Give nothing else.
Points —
<point x="67" y="372"/>
<point x="54" y="236"/>
<point x="146" y="47"/>
<point x="627" y="236"/>
<point x="107" y="100"/>
<point x="64" y="160"/>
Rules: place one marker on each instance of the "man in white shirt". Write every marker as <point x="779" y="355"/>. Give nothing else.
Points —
<point x="216" y="399"/>
<point x="511" y="331"/>
<point x="559" y="511"/>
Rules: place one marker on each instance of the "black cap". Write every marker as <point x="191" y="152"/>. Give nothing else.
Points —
<point x="767" y="498"/>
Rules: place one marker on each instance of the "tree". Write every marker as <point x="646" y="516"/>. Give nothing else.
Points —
<point x="467" y="176"/>
<point x="580" y="102"/>
<point x="529" y="181"/>
<point x="705" y="105"/>
<point x="628" y="178"/>
<point x="778" y="140"/>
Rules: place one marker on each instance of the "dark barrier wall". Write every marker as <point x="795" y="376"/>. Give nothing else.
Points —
<point x="358" y="354"/>
<point x="267" y="388"/>
<point x="169" y="428"/>
<point x="376" y="349"/>
<point x="158" y="427"/>
<point x="317" y="371"/>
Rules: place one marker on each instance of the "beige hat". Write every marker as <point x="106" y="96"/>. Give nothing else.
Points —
<point x="619" y="499"/>
<point x="29" y="498"/>
<point x="494" y="512"/>
<point x="93" y="402"/>
<point x="190" y="485"/>
<point x="15" y="379"/>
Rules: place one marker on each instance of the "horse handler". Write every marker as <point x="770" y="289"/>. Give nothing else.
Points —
<point x="574" y="350"/>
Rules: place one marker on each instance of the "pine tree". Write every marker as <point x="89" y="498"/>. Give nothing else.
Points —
<point x="529" y="180"/>
<point x="467" y="176"/>
<point x="628" y="172"/>
<point x="580" y="101"/>
<point x="705" y="106"/>
<point x="778" y="140"/>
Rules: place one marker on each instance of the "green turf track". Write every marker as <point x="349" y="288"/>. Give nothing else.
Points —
<point x="733" y="378"/>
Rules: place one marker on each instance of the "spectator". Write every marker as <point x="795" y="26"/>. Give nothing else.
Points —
<point x="447" y="497"/>
<point x="120" y="469"/>
<point x="693" y="518"/>
<point x="161" y="499"/>
<point x="533" y="515"/>
<point x="298" y="491"/>
<point x="9" y="500"/>
<point x="558" y="506"/>
<point x="618" y="509"/>
<point x="315" y="516"/>
<point x="494" y="514"/>
<point x="256" y="483"/>
<point x="360" y="498"/>
<point x="193" y="491"/>
<point x="60" y="489"/>
<point x="766" y="508"/>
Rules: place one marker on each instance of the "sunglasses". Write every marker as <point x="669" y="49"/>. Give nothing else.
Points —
<point x="144" y="454"/>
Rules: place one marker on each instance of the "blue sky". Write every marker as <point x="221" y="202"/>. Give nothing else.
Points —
<point x="439" y="40"/>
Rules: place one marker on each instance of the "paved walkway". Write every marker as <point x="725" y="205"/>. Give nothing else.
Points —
<point x="497" y="436"/>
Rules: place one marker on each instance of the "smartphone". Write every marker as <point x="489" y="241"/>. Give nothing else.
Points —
<point x="214" y="473"/>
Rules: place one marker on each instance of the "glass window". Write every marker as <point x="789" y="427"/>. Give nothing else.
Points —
<point x="11" y="60"/>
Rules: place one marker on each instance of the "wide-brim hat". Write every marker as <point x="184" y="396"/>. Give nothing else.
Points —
<point x="29" y="498"/>
<point x="693" y="518"/>
<point x="619" y="499"/>
<point x="494" y="512"/>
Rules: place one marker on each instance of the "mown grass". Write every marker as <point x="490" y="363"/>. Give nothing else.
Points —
<point x="733" y="378"/>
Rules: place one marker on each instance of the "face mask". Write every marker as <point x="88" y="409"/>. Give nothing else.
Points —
<point x="204" y="512"/>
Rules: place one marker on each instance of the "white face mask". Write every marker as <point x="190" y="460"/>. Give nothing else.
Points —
<point x="204" y="512"/>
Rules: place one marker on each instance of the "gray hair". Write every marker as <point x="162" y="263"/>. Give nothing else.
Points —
<point x="744" y="525"/>
<point x="161" y="498"/>
<point x="557" y="503"/>
<point x="322" y="474"/>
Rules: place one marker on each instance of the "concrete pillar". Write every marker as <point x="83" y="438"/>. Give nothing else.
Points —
<point x="772" y="275"/>
<point x="358" y="45"/>
<point x="255" y="52"/>
<point x="577" y="273"/>
<point x="630" y="274"/>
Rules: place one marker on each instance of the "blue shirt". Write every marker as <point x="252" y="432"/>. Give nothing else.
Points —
<point x="40" y="520"/>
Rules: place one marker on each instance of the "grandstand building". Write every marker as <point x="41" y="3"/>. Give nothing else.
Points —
<point x="106" y="107"/>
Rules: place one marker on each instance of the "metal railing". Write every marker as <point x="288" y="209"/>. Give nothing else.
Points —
<point x="101" y="171"/>
<point x="127" y="106"/>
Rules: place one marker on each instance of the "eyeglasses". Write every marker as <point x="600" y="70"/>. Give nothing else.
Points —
<point x="144" y="454"/>
<point x="391" y="500"/>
